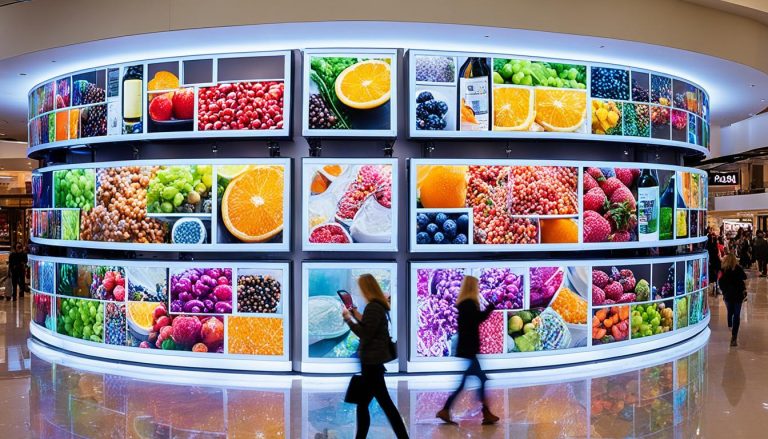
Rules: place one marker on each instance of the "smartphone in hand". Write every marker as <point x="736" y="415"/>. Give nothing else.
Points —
<point x="346" y="299"/>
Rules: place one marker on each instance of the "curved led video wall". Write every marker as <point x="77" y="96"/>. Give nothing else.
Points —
<point x="184" y="205"/>
<point x="353" y="93"/>
<point x="551" y="312"/>
<point x="237" y="314"/>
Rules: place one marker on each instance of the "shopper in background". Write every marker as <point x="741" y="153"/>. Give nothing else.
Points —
<point x="745" y="251"/>
<point x="470" y="318"/>
<point x="17" y="269"/>
<point x="714" y="260"/>
<point x="760" y="251"/>
<point x="734" y="293"/>
<point x="374" y="351"/>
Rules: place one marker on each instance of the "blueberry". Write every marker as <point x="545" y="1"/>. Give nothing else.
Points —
<point x="449" y="228"/>
<point x="460" y="239"/>
<point x="462" y="224"/>
<point x="421" y="111"/>
<point x="431" y="216"/>
<point x="433" y="122"/>
<point x="423" y="238"/>
<point x="440" y="219"/>
<point x="443" y="107"/>
<point x="422" y="220"/>
<point x="432" y="228"/>
<point x="438" y="238"/>
<point x="443" y="124"/>
<point x="424" y="97"/>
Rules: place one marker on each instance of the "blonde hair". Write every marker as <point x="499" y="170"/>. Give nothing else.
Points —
<point x="730" y="262"/>
<point x="371" y="290"/>
<point x="469" y="290"/>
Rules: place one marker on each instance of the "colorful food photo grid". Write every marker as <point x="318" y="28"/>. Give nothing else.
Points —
<point x="348" y="204"/>
<point x="170" y="204"/>
<point x="476" y="205"/>
<point x="691" y="209"/>
<point x="201" y="309"/>
<point x="350" y="93"/>
<point x="326" y="289"/>
<point x="535" y="308"/>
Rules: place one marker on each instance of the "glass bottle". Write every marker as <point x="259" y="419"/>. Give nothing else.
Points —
<point x="474" y="98"/>
<point x="132" y="90"/>
<point x="666" y="210"/>
<point x="648" y="206"/>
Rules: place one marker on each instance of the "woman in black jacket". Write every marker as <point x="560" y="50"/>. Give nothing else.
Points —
<point x="372" y="328"/>
<point x="734" y="293"/>
<point x="470" y="318"/>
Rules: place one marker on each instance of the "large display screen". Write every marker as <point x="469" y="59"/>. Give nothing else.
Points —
<point x="475" y="95"/>
<point x="467" y="205"/>
<point x="556" y="305"/>
<point x="200" y="205"/>
<point x="228" y="309"/>
<point x="349" y="204"/>
<point x="232" y="95"/>
<point x="326" y="338"/>
<point x="350" y="93"/>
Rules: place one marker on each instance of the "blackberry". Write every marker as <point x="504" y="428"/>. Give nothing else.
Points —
<point x="442" y="107"/>
<point x="434" y="122"/>
<point x="432" y="107"/>
<point x="421" y="111"/>
<point x="424" y="96"/>
<point x="320" y="116"/>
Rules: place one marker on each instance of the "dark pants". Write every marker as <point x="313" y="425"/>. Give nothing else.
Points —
<point x="373" y="376"/>
<point x="474" y="369"/>
<point x="733" y="316"/>
<point x="761" y="265"/>
<point x="18" y="285"/>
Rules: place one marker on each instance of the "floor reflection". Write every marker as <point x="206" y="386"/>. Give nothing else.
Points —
<point x="657" y="400"/>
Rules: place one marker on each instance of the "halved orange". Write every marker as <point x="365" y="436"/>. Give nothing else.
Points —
<point x="512" y="108"/>
<point x="560" y="109"/>
<point x="364" y="85"/>
<point x="443" y="187"/>
<point x="252" y="205"/>
<point x="141" y="313"/>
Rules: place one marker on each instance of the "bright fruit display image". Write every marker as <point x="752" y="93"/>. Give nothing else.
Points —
<point x="163" y="80"/>
<point x="681" y="311"/>
<point x="651" y="319"/>
<point x="180" y="189"/>
<point x="512" y="109"/>
<point x="147" y="284"/>
<point x="81" y="318"/>
<point x="610" y="325"/>
<point x="241" y="106"/>
<point x="350" y="203"/>
<point x="637" y="120"/>
<point x="431" y="112"/>
<point x="74" y="188"/>
<point x="442" y="186"/>
<point x="620" y="285"/>
<point x="540" y="331"/>
<point x="258" y="291"/>
<point x="172" y="110"/>
<point x="492" y="334"/>
<point x="252" y="203"/>
<point x="255" y="335"/>
<point x="538" y="73"/>
<point x="436" y="292"/>
<point x="150" y="326"/>
<point x="442" y="228"/>
<point x="606" y="117"/>
<point x="608" y="83"/>
<point x="349" y="93"/>
<point x="571" y="306"/>
<point x="201" y="291"/>
<point x="560" y="110"/>
<point x="610" y="206"/>
<point x="502" y="287"/>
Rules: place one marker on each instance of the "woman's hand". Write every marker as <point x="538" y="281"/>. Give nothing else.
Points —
<point x="345" y="314"/>
<point x="356" y="314"/>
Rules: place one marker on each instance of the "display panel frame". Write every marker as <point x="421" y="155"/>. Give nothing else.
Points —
<point x="284" y="246"/>
<point x="391" y="246"/>
<point x="414" y="133"/>
<point x="351" y="133"/>
<point x="176" y="357"/>
<point x="342" y="365"/>
<point x="415" y="247"/>
<point x="277" y="134"/>
<point x="516" y="360"/>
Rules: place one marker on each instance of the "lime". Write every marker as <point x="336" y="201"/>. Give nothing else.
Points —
<point x="230" y="171"/>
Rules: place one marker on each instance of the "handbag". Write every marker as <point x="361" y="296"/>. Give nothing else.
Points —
<point x="391" y="345"/>
<point x="356" y="391"/>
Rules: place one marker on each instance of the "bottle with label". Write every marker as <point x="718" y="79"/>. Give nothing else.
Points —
<point x="648" y="206"/>
<point x="667" y="210"/>
<point x="474" y="97"/>
<point x="132" y="90"/>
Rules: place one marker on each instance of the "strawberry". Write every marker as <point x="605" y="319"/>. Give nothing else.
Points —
<point x="598" y="295"/>
<point x="600" y="278"/>
<point x="610" y="185"/>
<point x="620" y="236"/>
<point x="161" y="107"/>
<point x="596" y="173"/>
<point x="627" y="298"/>
<point x="624" y="195"/>
<point x="625" y="176"/>
<point x="635" y="173"/>
<point x="628" y="283"/>
<point x="589" y="182"/>
<point x="596" y="228"/>
<point x="595" y="199"/>
<point x="613" y="291"/>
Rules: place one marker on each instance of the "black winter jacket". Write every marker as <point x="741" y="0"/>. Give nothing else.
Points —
<point x="732" y="284"/>
<point x="470" y="318"/>
<point x="374" y="335"/>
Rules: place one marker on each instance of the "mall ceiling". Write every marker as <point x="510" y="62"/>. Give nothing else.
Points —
<point x="754" y="9"/>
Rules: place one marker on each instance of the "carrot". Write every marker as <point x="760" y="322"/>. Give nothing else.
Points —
<point x="615" y="319"/>
<point x="608" y="323"/>
<point x="624" y="312"/>
<point x="600" y="333"/>
<point x="601" y="314"/>
<point x="595" y="322"/>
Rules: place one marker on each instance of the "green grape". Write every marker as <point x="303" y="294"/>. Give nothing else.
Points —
<point x="178" y="199"/>
<point x="166" y="207"/>
<point x="200" y="187"/>
<point x="169" y="193"/>
<point x="528" y="80"/>
<point x="207" y="180"/>
<point x="517" y="78"/>
<point x="87" y="331"/>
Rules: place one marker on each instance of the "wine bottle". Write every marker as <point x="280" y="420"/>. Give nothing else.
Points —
<point x="474" y="99"/>
<point x="667" y="210"/>
<point x="648" y="206"/>
<point x="132" y="89"/>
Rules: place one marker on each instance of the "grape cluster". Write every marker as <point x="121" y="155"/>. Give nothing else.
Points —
<point x="610" y="83"/>
<point x="85" y="92"/>
<point x="320" y="116"/>
<point x="430" y="112"/>
<point x="258" y="294"/>
<point x="93" y="121"/>
<point x="81" y="319"/>
<point x="435" y="69"/>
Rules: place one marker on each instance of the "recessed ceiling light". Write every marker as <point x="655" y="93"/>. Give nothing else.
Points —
<point x="752" y="85"/>
<point x="486" y="36"/>
<point x="22" y="74"/>
<point x="602" y="47"/>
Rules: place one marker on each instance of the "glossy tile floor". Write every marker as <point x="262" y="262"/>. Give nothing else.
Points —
<point x="704" y="389"/>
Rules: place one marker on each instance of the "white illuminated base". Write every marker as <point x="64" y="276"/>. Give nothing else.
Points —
<point x="572" y="356"/>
